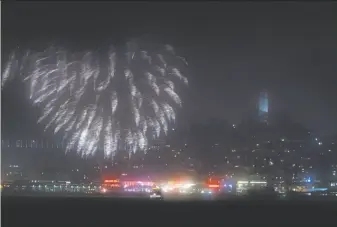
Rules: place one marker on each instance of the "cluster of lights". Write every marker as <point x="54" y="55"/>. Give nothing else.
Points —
<point x="180" y="187"/>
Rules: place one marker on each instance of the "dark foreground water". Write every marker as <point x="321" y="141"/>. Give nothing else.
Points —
<point x="122" y="212"/>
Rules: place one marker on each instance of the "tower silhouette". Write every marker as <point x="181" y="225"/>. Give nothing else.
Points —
<point x="263" y="107"/>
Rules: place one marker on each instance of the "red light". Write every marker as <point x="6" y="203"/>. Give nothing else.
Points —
<point x="111" y="181"/>
<point x="213" y="181"/>
<point x="214" y="186"/>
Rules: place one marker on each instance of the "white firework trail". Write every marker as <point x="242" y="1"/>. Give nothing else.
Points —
<point x="173" y="95"/>
<point x="9" y="69"/>
<point x="88" y="102"/>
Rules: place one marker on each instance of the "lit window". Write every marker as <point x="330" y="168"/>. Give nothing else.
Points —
<point x="19" y="143"/>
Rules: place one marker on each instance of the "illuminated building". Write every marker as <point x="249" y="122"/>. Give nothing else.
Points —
<point x="227" y="185"/>
<point x="137" y="186"/>
<point x="244" y="186"/>
<point x="213" y="183"/>
<point x="263" y="107"/>
<point x="333" y="187"/>
<point x="49" y="186"/>
<point x="177" y="183"/>
<point x="12" y="172"/>
<point x="111" y="185"/>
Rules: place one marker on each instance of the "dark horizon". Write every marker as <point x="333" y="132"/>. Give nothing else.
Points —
<point x="234" y="50"/>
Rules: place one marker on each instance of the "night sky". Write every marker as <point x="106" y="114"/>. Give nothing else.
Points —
<point x="234" y="52"/>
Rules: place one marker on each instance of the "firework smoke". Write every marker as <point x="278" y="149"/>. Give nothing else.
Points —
<point x="123" y="100"/>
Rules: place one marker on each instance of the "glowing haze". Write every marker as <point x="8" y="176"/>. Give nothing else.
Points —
<point x="121" y="98"/>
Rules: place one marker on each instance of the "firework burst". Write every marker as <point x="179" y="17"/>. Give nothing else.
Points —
<point x="123" y="100"/>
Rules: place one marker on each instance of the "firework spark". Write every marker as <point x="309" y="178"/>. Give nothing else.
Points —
<point x="122" y="101"/>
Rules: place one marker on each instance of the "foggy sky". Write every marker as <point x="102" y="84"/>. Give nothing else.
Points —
<point x="234" y="52"/>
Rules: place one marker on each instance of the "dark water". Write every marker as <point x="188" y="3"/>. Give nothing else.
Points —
<point x="71" y="211"/>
